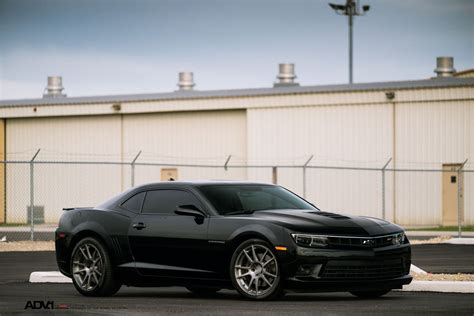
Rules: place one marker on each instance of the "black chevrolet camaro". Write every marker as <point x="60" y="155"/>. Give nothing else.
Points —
<point x="259" y="239"/>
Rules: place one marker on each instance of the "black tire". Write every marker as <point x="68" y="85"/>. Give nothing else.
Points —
<point x="203" y="291"/>
<point x="370" y="294"/>
<point x="105" y="284"/>
<point x="259" y="271"/>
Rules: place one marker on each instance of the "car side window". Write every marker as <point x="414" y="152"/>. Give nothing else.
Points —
<point x="166" y="201"/>
<point x="134" y="203"/>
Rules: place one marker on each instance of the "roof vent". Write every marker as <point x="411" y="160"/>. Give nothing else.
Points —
<point x="286" y="76"/>
<point x="55" y="88"/>
<point x="186" y="81"/>
<point x="444" y="67"/>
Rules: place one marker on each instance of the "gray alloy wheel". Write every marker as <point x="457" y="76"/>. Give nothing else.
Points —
<point x="88" y="267"/>
<point x="92" y="270"/>
<point x="255" y="270"/>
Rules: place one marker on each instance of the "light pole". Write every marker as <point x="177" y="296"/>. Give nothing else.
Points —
<point x="351" y="9"/>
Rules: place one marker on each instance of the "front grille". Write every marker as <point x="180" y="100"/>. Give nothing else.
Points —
<point x="364" y="269"/>
<point x="369" y="242"/>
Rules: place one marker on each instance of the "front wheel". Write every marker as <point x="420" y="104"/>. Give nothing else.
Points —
<point x="370" y="294"/>
<point x="92" y="272"/>
<point x="255" y="270"/>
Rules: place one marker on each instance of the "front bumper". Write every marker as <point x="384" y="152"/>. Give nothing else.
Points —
<point x="297" y="285"/>
<point x="347" y="269"/>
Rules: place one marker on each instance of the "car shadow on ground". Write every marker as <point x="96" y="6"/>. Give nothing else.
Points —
<point x="229" y="295"/>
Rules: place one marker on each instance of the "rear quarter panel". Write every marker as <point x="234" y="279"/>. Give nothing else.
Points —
<point x="109" y="227"/>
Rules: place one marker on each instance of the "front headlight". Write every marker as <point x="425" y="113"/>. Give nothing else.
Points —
<point x="398" y="239"/>
<point x="313" y="241"/>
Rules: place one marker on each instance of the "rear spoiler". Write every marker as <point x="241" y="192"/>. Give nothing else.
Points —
<point x="75" y="208"/>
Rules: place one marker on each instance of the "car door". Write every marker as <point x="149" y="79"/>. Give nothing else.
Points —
<point x="166" y="244"/>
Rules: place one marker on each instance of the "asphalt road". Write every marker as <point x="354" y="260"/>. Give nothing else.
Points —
<point x="444" y="258"/>
<point x="15" y="292"/>
<point x="157" y="301"/>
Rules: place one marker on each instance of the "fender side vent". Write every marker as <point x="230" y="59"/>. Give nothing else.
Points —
<point x="117" y="248"/>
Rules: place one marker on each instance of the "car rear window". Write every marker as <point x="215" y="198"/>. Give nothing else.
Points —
<point x="134" y="203"/>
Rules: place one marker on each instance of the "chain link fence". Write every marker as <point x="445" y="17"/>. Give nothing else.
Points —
<point x="35" y="191"/>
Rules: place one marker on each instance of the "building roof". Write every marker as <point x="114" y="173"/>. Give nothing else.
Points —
<point x="464" y="73"/>
<point x="196" y="94"/>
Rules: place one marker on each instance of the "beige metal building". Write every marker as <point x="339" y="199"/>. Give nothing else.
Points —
<point x="422" y="126"/>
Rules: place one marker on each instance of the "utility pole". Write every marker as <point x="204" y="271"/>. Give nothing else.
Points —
<point x="350" y="9"/>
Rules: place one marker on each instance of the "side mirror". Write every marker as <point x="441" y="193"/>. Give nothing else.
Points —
<point x="189" y="210"/>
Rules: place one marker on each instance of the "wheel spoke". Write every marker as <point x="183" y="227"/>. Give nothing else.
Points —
<point x="88" y="281"/>
<point x="84" y="255"/>
<point x="264" y="278"/>
<point x="255" y="258"/>
<point x="269" y="274"/>
<point x="264" y="254"/>
<point x="96" y="278"/>
<point x="248" y="257"/>
<point x="256" y="285"/>
<point x="79" y="271"/>
<point x="88" y="252"/>
<point x="269" y="260"/>
<point x="79" y="263"/>
<point x="242" y="267"/>
<point x="244" y="275"/>
<point x="250" y="283"/>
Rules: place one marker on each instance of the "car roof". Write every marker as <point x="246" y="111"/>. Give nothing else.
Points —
<point x="201" y="183"/>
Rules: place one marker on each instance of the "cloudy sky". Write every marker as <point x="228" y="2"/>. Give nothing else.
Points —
<point x="125" y="46"/>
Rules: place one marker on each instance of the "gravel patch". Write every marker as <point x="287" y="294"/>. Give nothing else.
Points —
<point x="435" y="240"/>
<point x="27" y="246"/>
<point x="443" y="277"/>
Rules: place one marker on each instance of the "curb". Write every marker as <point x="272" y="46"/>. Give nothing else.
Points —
<point x="415" y="269"/>
<point x="460" y="241"/>
<point x="440" y="286"/>
<point x="430" y="233"/>
<point x="48" y="277"/>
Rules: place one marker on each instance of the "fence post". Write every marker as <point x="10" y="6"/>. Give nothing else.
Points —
<point x="304" y="175"/>
<point x="132" y="167"/>
<point x="383" y="188"/>
<point x="32" y="196"/>
<point x="459" y="198"/>
<point x="227" y="162"/>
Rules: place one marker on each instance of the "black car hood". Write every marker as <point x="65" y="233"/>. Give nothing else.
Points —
<point x="318" y="222"/>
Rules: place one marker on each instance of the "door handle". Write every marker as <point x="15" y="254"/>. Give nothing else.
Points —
<point x="139" y="226"/>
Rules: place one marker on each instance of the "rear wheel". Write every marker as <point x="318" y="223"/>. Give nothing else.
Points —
<point x="92" y="272"/>
<point x="370" y="294"/>
<point x="255" y="270"/>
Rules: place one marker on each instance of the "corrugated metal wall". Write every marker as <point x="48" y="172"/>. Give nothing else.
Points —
<point x="199" y="137"/>
<point x="342" y="135"/>
<point x="58" y="186"/>
<point x="428" y="134"/>
<point x="346" y="129"/>
<point x="204" y="137"/>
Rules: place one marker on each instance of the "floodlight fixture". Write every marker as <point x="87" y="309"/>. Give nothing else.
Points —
<point x="351" y="9"/>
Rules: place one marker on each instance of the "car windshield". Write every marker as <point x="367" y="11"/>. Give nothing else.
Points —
<point x="246" y="199"/>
